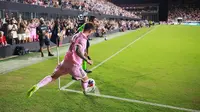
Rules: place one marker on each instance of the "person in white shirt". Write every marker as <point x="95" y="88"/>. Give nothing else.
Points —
<point x="12" y="32"/>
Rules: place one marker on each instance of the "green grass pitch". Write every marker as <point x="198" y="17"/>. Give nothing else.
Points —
<point x="162" y="67"/>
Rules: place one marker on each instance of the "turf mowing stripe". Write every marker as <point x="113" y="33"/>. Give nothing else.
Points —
<point x="134" y="101"/>
<point x="70" y="83"/>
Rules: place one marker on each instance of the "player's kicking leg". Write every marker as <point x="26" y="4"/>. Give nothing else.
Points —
<point x="79" y="74"/>
<point x="88" y="85"/>
<point x="59" y="71"/>
<point x="42" y="83"/>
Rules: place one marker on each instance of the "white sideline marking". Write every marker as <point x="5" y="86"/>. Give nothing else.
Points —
<point x="70" y="83"/>
<point x="134" y="101"/>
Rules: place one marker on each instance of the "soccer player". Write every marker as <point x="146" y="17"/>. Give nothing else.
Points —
<point x="93" y="20"/>
<point x="72" y="62"/>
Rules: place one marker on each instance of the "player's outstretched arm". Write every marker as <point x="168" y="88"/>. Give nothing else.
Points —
<point x="81" y="55"/>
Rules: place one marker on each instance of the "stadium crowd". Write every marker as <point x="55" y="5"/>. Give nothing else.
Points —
<point x="96" y="6"/>
<point x="17" y="31"/>
<point x="138" y="10"/>
<point x="187" y="12"/>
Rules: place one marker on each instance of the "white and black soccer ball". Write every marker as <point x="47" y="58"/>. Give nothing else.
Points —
<point x="91" y="83"/>
<point x="105" y="39"/>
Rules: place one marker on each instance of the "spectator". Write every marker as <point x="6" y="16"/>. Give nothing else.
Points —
<point x="21" y="31"/>
<point x="1" y="23"/>
<point x="3" y="41"/>
<point x="12" y="32"/>
<point x="4" y="27"/>
<point x="32" y="28"/>
<point x="56" y="32"/>
<point x="27" y="32"/>
<point x="188" y="13"/>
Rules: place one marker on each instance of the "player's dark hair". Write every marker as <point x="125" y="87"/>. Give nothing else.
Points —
<point x="89" y="26"/>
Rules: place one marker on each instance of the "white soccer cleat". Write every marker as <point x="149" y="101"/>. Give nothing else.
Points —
<point x="89" y="90"/>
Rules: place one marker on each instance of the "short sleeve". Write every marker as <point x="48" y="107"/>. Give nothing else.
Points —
<point x="82" y="44"/>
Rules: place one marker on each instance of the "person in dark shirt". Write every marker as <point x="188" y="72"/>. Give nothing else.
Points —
<point x="43" y="33"/>
<point x="56" y="34"/>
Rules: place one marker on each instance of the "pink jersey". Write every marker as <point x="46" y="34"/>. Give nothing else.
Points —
<point x="32" y="28"/>
<point x="71" y="56"/>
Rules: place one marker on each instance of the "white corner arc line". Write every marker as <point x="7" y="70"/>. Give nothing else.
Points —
<point x="134" y="101"/>
<point x="70" y="83"/>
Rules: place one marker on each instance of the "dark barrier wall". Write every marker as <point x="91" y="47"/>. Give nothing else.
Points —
<point x="50" y="10"/>
<point x="33" y="46"/>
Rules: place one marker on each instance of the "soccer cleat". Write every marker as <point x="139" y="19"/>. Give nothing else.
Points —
<point x="32" y="90"/>
<point x="50" y="54"/>
<point x="89" y="90"/>
<point x="85" y="92"/>
<point x="88" y="71"/>
<point x="93" y="89"/>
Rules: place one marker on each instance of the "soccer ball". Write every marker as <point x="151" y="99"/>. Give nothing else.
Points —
<point x="91" y="86"/>
<point x="105" y="38"/>
<point x="91" y="83"/>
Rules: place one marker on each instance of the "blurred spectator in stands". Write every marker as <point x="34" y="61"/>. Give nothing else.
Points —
<point x="21" y="31"/>
<point x="55" y="3"/>
<point x="40" y="2"/>
<point x="4" y="26"/>
<point x="56" y="32"/>
<point x="27" y="31"/>
<point x="1" y="23"/>
<point x="101" y="30"/>
<point x="97" y="6"/>
<point x="3" y="41"/>
<point x="62" y="35"/>
<point x="32" y="28"/>
<point x="70" y="27"/>
<point x="188" y="13"/>
<point x="12" y="32"/>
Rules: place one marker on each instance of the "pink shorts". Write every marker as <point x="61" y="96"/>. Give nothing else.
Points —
<point x="33" y="36"/>
<point x="65" y="68"/>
